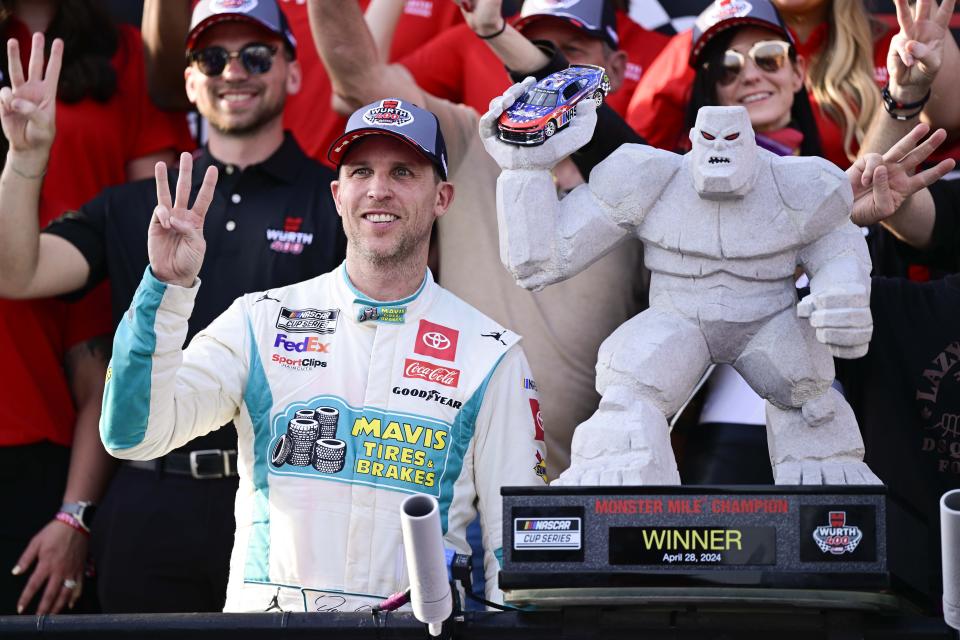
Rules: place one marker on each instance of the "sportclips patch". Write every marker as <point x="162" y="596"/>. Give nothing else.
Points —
<point x="326" y="438"/>
<point x="323" y="321"/>
<point x="390" y="113"/>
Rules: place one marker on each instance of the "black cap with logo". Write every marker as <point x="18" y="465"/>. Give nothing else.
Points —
<point x="594" y="17"/>
<point x="263" y="13"/>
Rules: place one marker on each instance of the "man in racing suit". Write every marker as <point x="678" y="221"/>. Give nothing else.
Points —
<point x="344" y="404"/>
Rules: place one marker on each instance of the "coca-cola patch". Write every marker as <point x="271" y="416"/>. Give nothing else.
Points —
<point x="431" y="373"/>
<point x="390" y="113"/>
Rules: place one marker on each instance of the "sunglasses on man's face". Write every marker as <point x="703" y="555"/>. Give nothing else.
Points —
<point x="256" y="58"/>
<point x="767" y="55"/>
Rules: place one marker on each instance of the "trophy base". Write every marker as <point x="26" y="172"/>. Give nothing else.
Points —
<point x="777" y="545"/>
<point x="707" y="598"/>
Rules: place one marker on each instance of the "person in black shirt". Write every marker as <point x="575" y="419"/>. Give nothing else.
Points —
<point x="906" y="395"/>
<point x="906" y="391"/>
<point x="944" y="243"/>
<point x="163" y="535"/>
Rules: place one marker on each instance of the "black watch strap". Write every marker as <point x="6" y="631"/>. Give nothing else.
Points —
<point x="891" y="105"/>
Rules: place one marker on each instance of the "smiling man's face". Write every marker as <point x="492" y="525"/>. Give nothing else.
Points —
<point x="238" y="101"/>
<point x="388" y="196"/>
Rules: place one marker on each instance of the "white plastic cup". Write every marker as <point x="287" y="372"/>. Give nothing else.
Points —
<point x="950" y="553"/>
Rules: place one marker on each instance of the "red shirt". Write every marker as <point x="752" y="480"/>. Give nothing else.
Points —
<point x="659" y="102"/>
<point x="308" y="114"/>
<point x="831" y="134"/>
<point x="94" y="143"/>
<point x="458" y="66"/>
<point x="642" y="47"/>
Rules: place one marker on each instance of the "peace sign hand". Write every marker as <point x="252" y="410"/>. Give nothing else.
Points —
<point x="28" y="106"/>
<point x="881" y="184"/>
<point x="175" y="241"/>
<point x="916" y="52"/>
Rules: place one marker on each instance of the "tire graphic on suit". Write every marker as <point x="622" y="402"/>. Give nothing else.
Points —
<point x="311" y="439"/>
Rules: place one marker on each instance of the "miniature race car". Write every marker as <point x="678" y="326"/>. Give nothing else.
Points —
<point x="549" y="104"/>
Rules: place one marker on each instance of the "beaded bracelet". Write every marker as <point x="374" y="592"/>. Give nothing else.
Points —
<point x="71" y="521"/>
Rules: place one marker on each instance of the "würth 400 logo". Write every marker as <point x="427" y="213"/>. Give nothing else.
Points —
<point x="837" y="537"/>
<point x="389" y="113"/>
<point x="436" y="341"/>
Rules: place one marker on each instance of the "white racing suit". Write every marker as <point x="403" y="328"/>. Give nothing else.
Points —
<point x="343" y="407"/>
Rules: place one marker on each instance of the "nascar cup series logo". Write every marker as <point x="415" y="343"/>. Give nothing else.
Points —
<point x="547" y="533"/>
<point x="837" y="537"/>
<point x="322" y="321"/>
<point x="389" y="114"/>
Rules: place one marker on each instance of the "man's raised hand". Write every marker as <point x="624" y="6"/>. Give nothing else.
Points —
<point x="881" y="183"/>
<point x="916" y="52"/>
<point x="28" y="106"/>
<point x="175" y="241"/>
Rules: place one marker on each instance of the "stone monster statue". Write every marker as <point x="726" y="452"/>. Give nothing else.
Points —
<point x="724" y="228"/>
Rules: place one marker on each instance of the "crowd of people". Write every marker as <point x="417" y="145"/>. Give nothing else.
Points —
<point x="324" y="237"/>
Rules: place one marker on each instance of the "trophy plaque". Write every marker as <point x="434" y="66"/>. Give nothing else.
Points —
<point x="616" y="544"/>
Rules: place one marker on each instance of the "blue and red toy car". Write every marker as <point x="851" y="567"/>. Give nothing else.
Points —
<point x="548" y="106"/>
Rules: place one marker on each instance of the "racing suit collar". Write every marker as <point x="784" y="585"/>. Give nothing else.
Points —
<point x="367" y="311"/>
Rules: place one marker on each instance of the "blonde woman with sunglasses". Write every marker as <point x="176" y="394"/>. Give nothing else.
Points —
<point x="844" y="50"/>
<point x="748" y="58"/>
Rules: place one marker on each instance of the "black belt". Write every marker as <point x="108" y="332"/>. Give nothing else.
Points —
<point x="206" y="464"/>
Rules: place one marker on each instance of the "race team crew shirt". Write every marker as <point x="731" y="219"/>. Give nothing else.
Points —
<point x="906" y="395"/>
<point x="344" y="406"/>
<point x="642" y="46"/>
<point x="944" y="249"/>
<point x="269" y="225"/>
